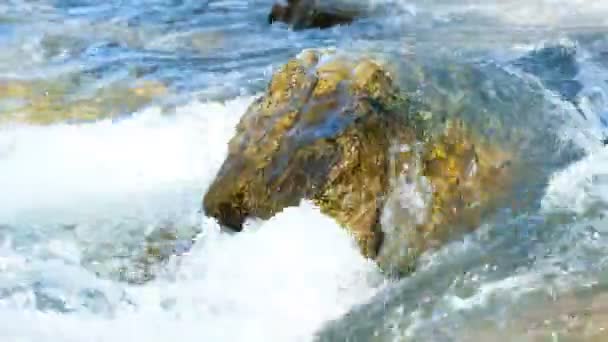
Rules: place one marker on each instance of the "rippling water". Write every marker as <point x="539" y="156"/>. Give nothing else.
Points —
<point x="148" y="92"/>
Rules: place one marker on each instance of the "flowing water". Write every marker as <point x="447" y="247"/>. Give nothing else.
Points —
<point x="84" y="203"/>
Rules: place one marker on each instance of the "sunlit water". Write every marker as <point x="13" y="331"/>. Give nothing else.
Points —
<point x="80" y="201"/>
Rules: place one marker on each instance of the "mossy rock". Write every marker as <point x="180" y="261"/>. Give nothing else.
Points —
<point x="321" y="132"/>
<point x="453" y="182"/>
<point x="336" y="130"/>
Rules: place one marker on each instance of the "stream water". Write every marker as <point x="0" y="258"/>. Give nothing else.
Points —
<point x="82" y="201"/>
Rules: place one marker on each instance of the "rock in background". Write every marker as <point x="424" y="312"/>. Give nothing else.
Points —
<point x="303" y="14"/>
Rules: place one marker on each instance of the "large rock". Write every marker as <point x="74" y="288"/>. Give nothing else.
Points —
<point x="323" y="132"/>
<point x="336" y="130"/>
<point x="302" y="14"/>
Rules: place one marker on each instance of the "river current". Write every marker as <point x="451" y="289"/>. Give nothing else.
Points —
<point x="82" y="200"/>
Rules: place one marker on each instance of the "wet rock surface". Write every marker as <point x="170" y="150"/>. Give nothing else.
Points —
<point x="304" y="14"/>
<point x="336" y="130"/>
<point x="321" y="132"/>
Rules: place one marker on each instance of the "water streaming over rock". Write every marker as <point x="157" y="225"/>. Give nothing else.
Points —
<point x="115" y="118"/>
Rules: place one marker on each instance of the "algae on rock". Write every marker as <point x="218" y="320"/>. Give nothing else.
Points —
<point x="321" y="132"/>
<point x="448" y="188"/>
<point x="336" y="130"/>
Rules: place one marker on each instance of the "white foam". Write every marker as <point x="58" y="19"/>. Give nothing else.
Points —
<point x="279" y="280"/>
<point x="581" y="187"/>
<point x="80" y="167"/>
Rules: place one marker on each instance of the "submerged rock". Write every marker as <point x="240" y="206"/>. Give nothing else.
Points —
<point x="47" y="102"/>
<point x="455" y="180"/>
<point x="303" y="14"/>
<point x="336" y="130"/>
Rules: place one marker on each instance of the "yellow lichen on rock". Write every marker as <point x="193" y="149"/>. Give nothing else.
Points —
<point x="313" y="135"/>
<point x="465" y="175"/>
<point x="461" y="179"/>
<point x="334" y="129"/>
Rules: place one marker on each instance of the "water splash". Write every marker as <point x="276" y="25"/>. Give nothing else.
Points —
<point x="78" y="194"/>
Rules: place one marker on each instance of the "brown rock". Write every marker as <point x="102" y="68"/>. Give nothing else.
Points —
<point x="303" y="14"/>
<point x="321" y="132"/>
<point x="336" y="130"/>
<point x="455" y="181"/>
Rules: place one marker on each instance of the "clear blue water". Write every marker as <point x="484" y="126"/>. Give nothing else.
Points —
<point x="80" y="202"/>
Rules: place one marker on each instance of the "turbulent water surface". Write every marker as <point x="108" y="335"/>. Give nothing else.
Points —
<point x="84" y="204"/>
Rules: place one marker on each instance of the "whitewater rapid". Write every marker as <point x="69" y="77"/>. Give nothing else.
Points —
<point x="79" y="201"/>
<point x="279" y="280"/>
